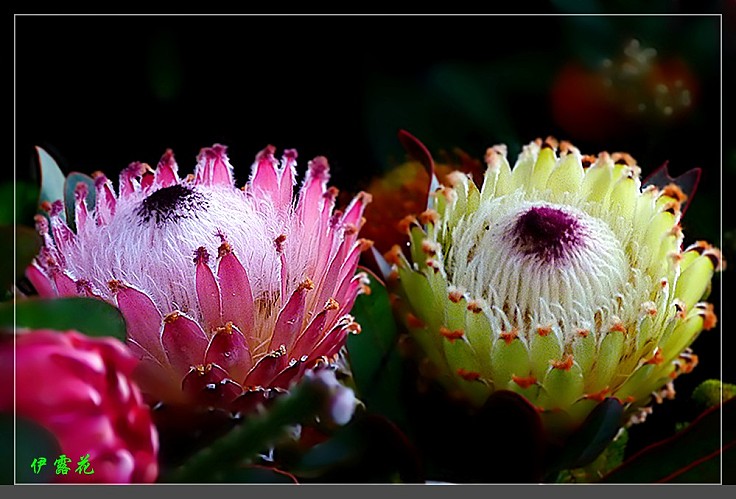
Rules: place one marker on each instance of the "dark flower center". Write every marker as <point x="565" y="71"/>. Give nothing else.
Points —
<point x="547" y="233"/>
<point x="170" y="204"/>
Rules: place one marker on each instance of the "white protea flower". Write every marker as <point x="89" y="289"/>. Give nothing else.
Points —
<point x="561" y="279"/>
<point x="226" y="292"/>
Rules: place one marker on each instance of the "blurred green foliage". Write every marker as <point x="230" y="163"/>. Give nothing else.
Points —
<point x="90" y="316"/>
<point x="24" y="244"/>
<point x="375" y="360"/>
<point x="712" y="392"/>
<point x="31" y="441"/>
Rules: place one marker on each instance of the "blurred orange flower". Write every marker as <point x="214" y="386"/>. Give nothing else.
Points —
<point x="403" y="190"/>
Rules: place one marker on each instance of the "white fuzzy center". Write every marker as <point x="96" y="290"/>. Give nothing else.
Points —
<point x="151" y="240"/>
<point x="537" y="263"/>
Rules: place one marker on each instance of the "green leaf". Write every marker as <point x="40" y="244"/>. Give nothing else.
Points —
<point x="90" y="316"/>
<point x="27" y="246"/>
<point x="52" y="179"/>
<point x="610" y="458"/>
<point x="375" y="360"/>
<point x="594" y="435"/>
<point x="70" y="184"/>
<point x="693" y="455"/>
<point x="26" y="203"/>
<point x="31" y="442"/>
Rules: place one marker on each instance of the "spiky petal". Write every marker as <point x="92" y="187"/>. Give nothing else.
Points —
<point x="561" y="279"/>
<point x="219" y="286"/>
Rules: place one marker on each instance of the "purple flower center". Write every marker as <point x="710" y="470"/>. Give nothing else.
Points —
<point x="548" y="233"/>
<point x="170" y="204"/>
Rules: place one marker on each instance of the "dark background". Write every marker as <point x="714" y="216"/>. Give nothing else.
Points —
<point x="100" y="92"/>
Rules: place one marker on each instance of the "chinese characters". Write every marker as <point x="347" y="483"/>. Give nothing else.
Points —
<point x="84" y="467"/>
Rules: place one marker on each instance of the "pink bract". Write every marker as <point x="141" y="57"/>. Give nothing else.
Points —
<point x="225" y="291"/>
<point x="79" y="388"/>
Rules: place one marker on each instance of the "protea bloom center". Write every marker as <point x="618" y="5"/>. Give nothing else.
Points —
<point x="561" y="279"/>
<point x="225" y="291"/>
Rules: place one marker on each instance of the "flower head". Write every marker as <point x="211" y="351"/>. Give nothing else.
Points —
<point x="80" y="389"/>
<point x="561" y="279"/>
<point x="225" y="291"/>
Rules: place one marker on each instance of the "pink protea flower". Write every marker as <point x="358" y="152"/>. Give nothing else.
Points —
<point x="225" y="291"/>
<point x="79" y="388"/>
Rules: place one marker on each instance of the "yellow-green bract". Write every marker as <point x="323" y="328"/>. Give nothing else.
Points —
<point x="561" y="279"/>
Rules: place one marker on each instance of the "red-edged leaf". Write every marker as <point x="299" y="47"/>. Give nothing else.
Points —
<point x="419" y="152"/>
<point x="255" y="474"/>
<point x="688" y="182"/>
<point x="692" y="455"/>
<point x="416" y="150"/>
